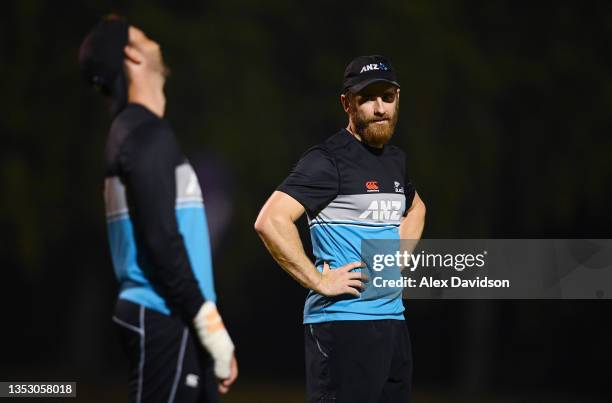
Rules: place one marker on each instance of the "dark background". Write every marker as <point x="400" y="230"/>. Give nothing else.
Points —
<point x="506" y="118"/>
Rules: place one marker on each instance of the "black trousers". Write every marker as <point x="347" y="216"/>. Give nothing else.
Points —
<point x="166" y="360"/>
<point x="367" y="361"/>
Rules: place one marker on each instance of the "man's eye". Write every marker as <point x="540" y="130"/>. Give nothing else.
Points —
<point x="389" y="98"/>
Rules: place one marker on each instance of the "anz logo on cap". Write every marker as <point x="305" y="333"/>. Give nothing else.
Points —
<point x="374" y="66"/>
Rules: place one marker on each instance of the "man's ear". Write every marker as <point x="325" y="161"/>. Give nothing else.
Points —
<point x="345" y="102"/>
<point x="132" y="55"/>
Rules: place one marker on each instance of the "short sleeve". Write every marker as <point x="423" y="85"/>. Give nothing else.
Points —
<point x="314" y="181"/>
<point x="409" y="192"/>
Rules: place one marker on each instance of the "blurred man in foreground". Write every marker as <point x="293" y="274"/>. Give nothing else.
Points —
<point x="175" y="340"/>
<point x="353" y="187"/>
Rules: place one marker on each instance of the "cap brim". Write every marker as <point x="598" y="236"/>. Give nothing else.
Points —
<point x="360" y="86"/>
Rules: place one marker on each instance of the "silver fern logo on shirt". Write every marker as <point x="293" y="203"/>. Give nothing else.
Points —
<point x="398" y="187"/>
<point x="383" y="210"/>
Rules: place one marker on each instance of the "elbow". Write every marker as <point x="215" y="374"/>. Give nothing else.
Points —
<point x="418" y="211"/>
<point x="421" y="212"/>
<point x="261" y="225"/>
<point x="418" y="208"/>
<point x="267" y="225"/>
<point x="422" y="209"/>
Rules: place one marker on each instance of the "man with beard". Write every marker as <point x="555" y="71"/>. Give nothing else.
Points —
<point x="352" y="187"/>
<point x="177" y="346"/>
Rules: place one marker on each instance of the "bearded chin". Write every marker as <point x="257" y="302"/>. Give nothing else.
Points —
<point x="377" y="135"/>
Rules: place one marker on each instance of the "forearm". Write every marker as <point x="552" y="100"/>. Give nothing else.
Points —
<point x="281" y="238"/>
<point x="411" y="227"/>
<point x="156" y="229"/>
<point x="172" y="274"/>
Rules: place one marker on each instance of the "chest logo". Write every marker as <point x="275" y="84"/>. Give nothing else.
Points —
<point x="398" y="187"/>
<point x="371" y="186"/>
<point x="383" y="210"/>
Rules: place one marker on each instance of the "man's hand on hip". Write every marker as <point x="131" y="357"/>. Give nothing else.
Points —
<point x="341" y="280"/>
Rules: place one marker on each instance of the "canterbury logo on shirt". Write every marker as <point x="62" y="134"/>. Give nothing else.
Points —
<point x="371" y="186"/>
<point x="383" y="210"/>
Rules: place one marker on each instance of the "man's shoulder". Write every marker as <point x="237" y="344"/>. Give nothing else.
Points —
<point x="138" y="128"/>
<point x="328" y="149"/>
<point x="336" y="142"/>
<point x="124" y="124"/>
<point x="138" y="132"/>
<point x="343" y="141"/>
<point x="393" y="150"/>
<point x="133" y="118"/>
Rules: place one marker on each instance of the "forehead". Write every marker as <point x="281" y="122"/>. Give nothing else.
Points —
<point x="378" y="88"/>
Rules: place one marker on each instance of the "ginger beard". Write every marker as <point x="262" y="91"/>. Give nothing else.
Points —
<point x="372" y="131"/>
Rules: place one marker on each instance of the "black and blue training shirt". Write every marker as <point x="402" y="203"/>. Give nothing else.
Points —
<point x="155" y="216"/>
<point x="351" y="192"/>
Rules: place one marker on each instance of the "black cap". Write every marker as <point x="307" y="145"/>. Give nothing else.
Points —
<point x="101" y="54"/>
<point x="365" y="70"/>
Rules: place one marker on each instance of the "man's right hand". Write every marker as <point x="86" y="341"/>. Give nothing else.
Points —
<point x="215" y="339"/>
<point x="341" y="280"/>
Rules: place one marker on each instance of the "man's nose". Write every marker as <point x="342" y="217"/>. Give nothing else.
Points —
<point x="379" y="108"/>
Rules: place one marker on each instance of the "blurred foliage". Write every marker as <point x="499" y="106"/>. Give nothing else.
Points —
<point x="505" y="114"/>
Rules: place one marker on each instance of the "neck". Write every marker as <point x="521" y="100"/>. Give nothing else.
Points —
<point x="351" y="129"/>
<point x="149" y="94"/>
